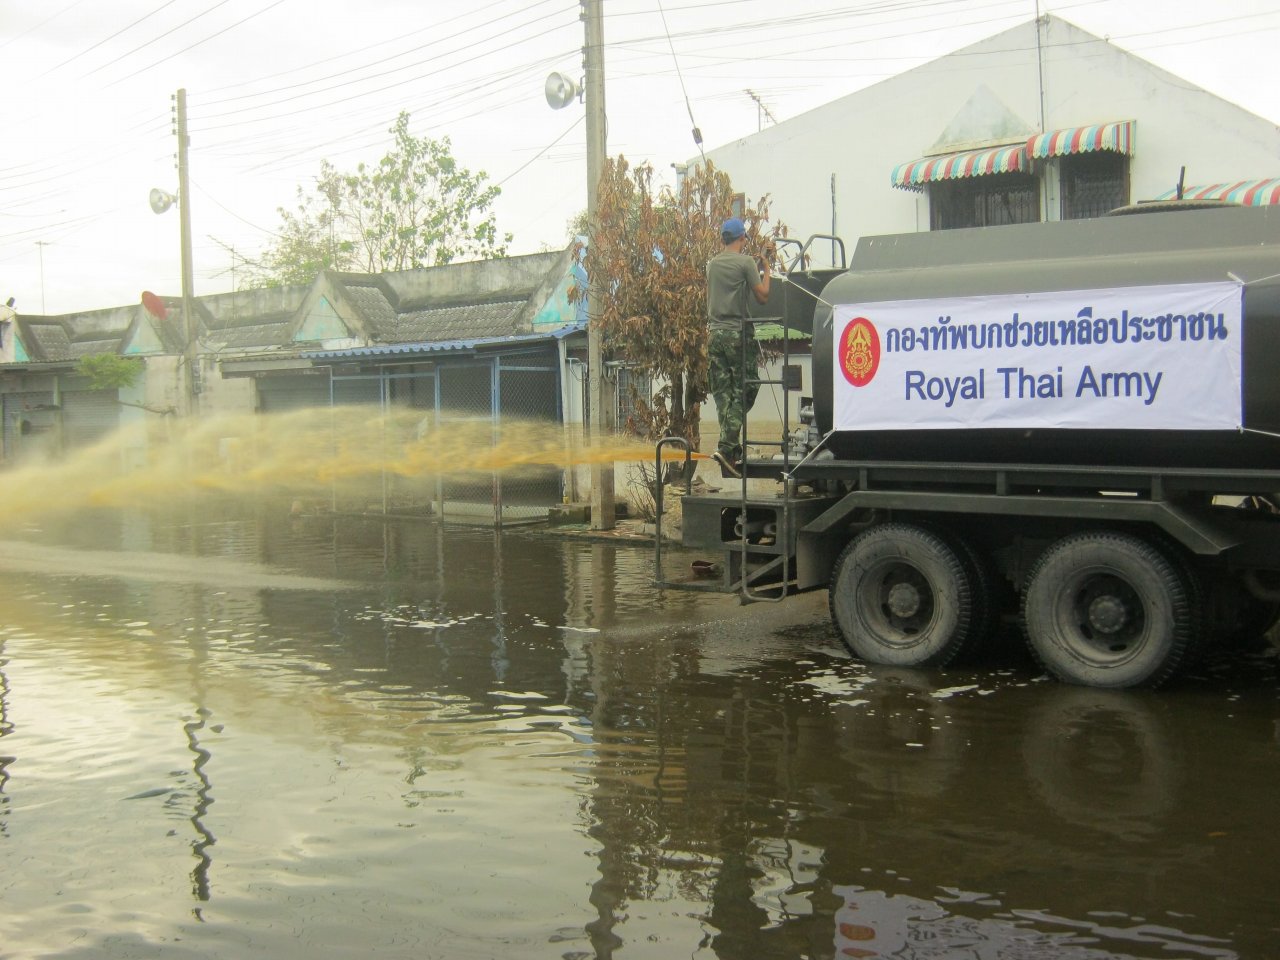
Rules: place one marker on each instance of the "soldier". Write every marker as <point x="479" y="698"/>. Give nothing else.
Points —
<point x="731" y="277"/>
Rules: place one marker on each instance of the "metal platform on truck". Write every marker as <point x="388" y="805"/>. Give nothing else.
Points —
<point x="754" y="539"/>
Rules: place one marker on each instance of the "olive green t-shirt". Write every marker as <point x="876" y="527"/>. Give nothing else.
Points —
<point x="730" y="278"/>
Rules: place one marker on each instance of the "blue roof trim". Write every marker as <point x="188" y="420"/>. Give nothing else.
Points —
<point x="445" y="346"/>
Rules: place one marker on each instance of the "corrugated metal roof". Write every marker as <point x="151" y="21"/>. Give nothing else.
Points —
<point x="446" y="346"/>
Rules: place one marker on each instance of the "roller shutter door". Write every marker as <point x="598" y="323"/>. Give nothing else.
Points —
<point x="19" y="407"/>
<point x="88" y="416"/>
<point x="278" y="394"/>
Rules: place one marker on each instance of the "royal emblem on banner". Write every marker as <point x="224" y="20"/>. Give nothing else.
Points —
<point x="859" y="351"/>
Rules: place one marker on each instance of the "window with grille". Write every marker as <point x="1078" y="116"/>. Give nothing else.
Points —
<point x="630" y="388"/>
<point x="988" y="201"/>
<point x="1093" y="184"/>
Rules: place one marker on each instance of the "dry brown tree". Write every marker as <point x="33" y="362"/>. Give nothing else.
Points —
<point x="646" y="259"/>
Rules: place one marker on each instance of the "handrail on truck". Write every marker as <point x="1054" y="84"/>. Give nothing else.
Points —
<point x="657" y="497"/>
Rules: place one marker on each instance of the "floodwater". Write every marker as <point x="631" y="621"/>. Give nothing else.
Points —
<point x="260" y="735"/>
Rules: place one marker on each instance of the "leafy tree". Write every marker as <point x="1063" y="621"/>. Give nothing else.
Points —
<point x="647" y="257"/>
<point x="109" y="371"/>
<point x="416" y="207"/>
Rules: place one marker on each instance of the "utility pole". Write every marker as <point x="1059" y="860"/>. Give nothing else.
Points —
<point x="188" y="285"/>
<point x="603" y="511"/>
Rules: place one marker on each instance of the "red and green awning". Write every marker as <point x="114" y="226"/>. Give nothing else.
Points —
<point x="1249" y="193"/>
<point x="955" y="166"/>
<point x="1114" y="137"/>
<point x="1117" y="137"/>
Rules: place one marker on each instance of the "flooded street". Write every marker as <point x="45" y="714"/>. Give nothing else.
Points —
<point x="234" y="736"/>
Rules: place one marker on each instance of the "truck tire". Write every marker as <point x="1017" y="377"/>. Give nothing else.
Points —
<point x="900" y="596"/>
<point x="1108" y="610"/>
<point x="984" y="600"/>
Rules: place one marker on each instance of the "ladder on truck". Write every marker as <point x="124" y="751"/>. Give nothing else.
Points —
<point x="757" y="533"/>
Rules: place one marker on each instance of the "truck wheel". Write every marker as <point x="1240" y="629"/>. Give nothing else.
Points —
<point x="900" y="596"/>
<point x="1108" y="610"/>
<point x="984" y="600"/>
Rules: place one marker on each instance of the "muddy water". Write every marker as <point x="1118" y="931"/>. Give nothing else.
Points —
<point x="233" y="736"/>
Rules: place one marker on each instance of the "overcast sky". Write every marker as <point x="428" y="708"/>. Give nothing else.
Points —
<point x="274" y="86"/>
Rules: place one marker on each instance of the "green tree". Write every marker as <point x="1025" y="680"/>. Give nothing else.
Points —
<point x="646" y="258"/>
<point x="417" y="207"/>
<point x="110" y="371"/>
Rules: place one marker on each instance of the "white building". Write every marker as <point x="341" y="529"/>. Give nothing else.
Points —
<point x="1041" y="122"/>
<point x="924" y="149"/>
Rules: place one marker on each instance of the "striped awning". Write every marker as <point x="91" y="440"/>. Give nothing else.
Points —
<point x="954" y="166"/>
<point x="1250" y="193"/>
<point x="1115" y="137"/>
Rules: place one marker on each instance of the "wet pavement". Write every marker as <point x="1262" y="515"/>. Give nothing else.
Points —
<point x="263" y="736"/>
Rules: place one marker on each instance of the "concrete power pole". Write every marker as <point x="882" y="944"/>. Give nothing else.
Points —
<point x="600" y="404"/>
<point x="188" y="284"/>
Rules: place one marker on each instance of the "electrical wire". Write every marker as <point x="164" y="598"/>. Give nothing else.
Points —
<point x="363" y="66"/>
<point x="520" y="169"/>
<point x="152" y="66"/>
<point x="424" y="76"/>
<point x="218" y="203"/>
<point x="48" y="19"/>
<point x="697" y="134"/>
<point x="87" y="50"/>
<point x="147" y="43"/>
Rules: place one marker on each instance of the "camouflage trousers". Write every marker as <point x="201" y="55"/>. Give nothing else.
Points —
<point x="725" y="375"/>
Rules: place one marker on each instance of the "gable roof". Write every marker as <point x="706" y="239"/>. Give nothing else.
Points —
<point x="474" y="300"/>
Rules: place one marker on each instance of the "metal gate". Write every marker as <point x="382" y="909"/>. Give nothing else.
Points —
<point x="465" y="398"/>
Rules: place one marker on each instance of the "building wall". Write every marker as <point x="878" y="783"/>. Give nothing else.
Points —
<point x="225" y="395"/>
<point x="985" y="92"/>
<point x="860" y="138"/>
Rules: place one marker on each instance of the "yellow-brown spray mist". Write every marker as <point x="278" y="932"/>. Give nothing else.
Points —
<point x="347" y="451"/>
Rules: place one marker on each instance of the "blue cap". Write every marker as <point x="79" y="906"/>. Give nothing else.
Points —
<point x="732" y="229"/>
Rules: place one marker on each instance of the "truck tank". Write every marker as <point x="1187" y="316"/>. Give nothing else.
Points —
<point x="1112" y="252"/>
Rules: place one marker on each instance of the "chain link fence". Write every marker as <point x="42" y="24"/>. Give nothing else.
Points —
<point x="499" y="402"/>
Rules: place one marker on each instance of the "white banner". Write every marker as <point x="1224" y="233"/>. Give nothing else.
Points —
<point x="1130" y="358"/>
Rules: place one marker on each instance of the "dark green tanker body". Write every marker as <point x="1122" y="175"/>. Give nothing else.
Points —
<point x="1155" y="248"/>
<point x="1120" y="553"/>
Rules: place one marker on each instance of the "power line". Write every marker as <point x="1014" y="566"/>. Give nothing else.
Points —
<point x="339" y="86"/>
<point x="48" y="19"/>
<point x="697" y="134"/>
<point x="256" y="13"/>
<point x="363" y="66"/>
<point x="520" y="169"/>
<point x="147" y="43"/>
<point x="227" y="209"/>
<point x="72" y="59"/>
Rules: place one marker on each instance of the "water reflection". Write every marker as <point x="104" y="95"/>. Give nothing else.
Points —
<point x="496" y="744"/>
<point x="1104" y="760"/>
<point x="871" y="923"/>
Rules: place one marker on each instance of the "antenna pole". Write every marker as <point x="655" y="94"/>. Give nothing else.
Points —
<point x="41" y="244"/>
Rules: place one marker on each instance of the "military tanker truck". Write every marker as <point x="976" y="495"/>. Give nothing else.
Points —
<point x="1074" y="423"/>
